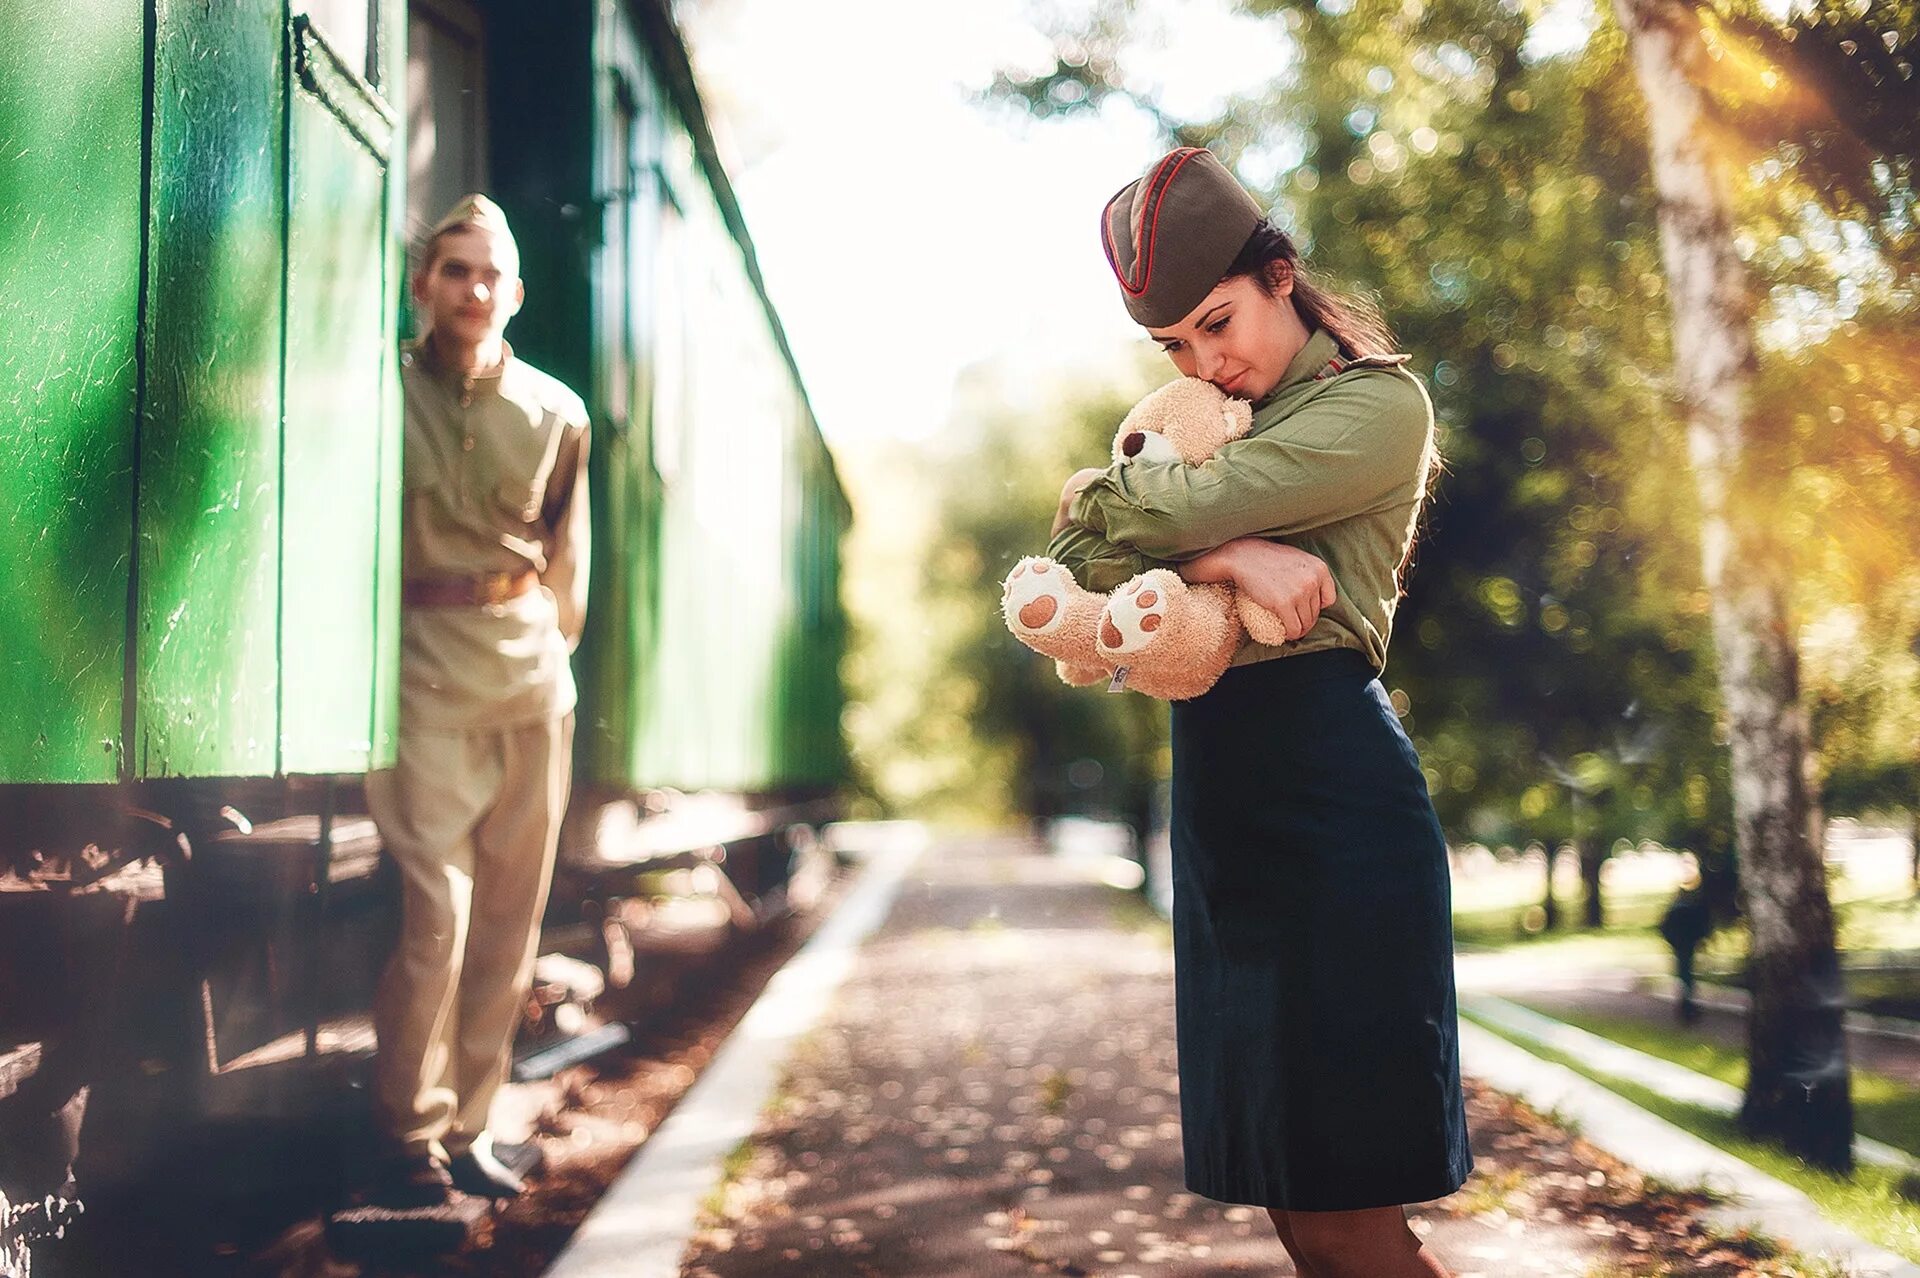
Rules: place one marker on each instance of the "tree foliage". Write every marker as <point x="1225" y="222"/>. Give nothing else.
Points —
<point x="956" y="718"/>
<point x="1553" y="655"/>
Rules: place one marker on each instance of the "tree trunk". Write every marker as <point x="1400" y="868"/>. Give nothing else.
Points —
<point x="1797" y="1090"/>
<point x="1593" y="854"/>
<point x="1549" y="903"/>
<point x="1913" y="843"/>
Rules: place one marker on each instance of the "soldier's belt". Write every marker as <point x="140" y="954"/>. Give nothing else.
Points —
<point x="467" y="592"/>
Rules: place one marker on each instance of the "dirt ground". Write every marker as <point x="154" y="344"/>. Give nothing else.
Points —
<point x="995" y="1093"/>
<point x="589" y="1120"/>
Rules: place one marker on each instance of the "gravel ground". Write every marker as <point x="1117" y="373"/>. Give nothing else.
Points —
<point x="994" y="1093"/>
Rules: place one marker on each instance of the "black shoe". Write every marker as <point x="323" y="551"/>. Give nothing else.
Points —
<point x="477" y="1171"/>
<point x="411" y="1180"/>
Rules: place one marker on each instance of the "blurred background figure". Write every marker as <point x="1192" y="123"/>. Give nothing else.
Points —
<point x="1687" y="922"/>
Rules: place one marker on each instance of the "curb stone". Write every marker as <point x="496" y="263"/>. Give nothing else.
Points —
<point x="1657" y="1147"/>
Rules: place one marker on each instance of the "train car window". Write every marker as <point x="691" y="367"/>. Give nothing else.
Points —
<point x="446" y="108"/>
<point x="671" y="389"/>
<point x="618" y="302"/>
<point x="350" y="29"/>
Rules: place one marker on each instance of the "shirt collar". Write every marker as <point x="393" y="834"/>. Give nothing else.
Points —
<point x="1321" y="348"/>
<point x="486" y="382"/>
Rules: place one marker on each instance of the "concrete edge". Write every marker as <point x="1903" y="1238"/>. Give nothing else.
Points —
<point x="641" y="1227"/>
<point x="1657" y="1147"/>
<point x="1631" y="1065"/>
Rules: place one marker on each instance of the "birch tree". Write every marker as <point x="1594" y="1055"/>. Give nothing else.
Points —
<point x="1797" y="1089"/>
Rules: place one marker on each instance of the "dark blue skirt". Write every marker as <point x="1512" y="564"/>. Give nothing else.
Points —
<point x="1313" y="945"/>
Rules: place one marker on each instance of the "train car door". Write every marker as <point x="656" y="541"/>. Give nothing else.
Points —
<point x="446" y="108"/>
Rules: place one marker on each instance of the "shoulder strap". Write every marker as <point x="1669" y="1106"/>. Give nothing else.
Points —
<point x="1338" y="365"/>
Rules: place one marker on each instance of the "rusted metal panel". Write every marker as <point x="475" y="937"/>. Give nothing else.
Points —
<point x="206" y="610"/>
<point x="339" y="339"/>
<point x="70" y="138"/>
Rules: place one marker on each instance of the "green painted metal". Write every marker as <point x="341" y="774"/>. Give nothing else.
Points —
<point x="206" y="609"/>
<point x="714" y="642"/>
<point x="386" y="608"/>
<point x="70" y="133"/>
<point x="744" y="692"/>
<point x="262" y="606"/>
<point x="339" y="333"/>
<point x="711" y="656"/>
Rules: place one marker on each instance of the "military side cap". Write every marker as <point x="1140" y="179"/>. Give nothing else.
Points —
<point x="478" y="212"/>
<point x="1172" y="233"/>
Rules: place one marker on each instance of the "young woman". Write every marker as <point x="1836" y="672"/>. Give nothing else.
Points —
<point x="1312" y="911"/>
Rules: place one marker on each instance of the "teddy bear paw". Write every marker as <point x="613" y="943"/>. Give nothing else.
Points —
<point x="1050" y="612"/>
<point x="1035" y="597"/>
<point x="1136" y="614"/>
<point x="1081" y="676"/>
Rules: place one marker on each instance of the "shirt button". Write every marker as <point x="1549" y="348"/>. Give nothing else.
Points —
<point x="466" y="401"/>
<point x="467" y="444"/>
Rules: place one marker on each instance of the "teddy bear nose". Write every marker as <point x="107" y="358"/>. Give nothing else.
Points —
<point x="1133" y="443"/>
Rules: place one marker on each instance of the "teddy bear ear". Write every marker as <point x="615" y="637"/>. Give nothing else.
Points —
<point x="1237" y="416"/>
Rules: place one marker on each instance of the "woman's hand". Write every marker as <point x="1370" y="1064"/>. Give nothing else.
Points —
<point x="1287" y="581"/>
<point x="1081" y="478"/>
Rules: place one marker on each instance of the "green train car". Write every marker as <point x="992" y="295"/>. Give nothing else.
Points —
<point x="205" y="217"/>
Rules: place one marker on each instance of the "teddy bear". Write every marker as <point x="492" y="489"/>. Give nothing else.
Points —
<point x="1174" y="639"/>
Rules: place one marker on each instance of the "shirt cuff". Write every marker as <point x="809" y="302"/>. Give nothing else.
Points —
<point x="1085" y="509"/>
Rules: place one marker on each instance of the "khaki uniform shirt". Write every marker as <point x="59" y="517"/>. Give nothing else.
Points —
<point x="1336" y="464"/>
<point x="496" y="481"/>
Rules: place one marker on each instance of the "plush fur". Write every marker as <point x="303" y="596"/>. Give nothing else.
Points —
<point x="1174" y="639"/>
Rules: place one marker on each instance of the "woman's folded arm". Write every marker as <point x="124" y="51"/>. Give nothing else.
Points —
<point x="1360" y="445"/>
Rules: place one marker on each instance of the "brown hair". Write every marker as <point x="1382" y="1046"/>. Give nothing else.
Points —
<point x="1352" y="321"/>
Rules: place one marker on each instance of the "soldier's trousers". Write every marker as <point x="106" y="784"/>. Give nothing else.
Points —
<point x="472" y="819"/>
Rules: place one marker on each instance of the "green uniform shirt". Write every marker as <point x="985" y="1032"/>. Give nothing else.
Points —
<point x="1336" y="464"/>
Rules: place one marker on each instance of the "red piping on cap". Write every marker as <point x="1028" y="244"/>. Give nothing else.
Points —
<point x="1150" y="221"/>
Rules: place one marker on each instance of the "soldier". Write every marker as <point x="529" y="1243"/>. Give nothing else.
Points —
<point x="494" y="569"/>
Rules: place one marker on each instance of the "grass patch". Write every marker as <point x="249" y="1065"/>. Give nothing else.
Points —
<point x="1883" y="923"/>
<point x="732" y="1168"/>
<point x="1703" y="1187"/>
<point x="1627" y="940"/>
<point x="1491" y="1192"/>
<point x="1868" y="1202"/>
<point x="1055" y="1089"/>
<point x="1886" y="993"/>
<point x="1883" y="1108"/>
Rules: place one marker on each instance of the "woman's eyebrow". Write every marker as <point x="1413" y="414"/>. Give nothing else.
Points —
<point x="1202" y="321"/>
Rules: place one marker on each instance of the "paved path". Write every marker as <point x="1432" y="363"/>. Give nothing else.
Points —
<point x="993" y="1092"/>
